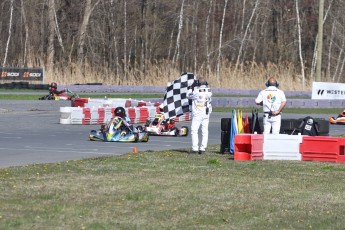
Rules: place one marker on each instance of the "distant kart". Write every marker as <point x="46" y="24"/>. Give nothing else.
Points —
<point x="340" y="120"/>
<point x="67" y="96"/>
<point x="132" y="136"/>
<point x="158" y="127"/>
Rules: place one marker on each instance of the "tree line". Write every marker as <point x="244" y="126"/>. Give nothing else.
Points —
<point x="125" y="39"/>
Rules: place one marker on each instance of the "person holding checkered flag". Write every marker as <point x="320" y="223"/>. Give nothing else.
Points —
<point x="200" y="95"/>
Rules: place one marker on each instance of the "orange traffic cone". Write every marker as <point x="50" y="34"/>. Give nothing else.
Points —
<point x="134" y="150"/>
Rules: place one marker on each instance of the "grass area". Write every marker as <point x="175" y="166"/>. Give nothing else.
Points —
<point x="173" y="190"/>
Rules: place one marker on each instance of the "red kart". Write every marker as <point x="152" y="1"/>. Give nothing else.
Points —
<point x="159" y="126"/>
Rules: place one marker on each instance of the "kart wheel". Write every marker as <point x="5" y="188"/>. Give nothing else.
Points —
<point x="136" y="137"/>
<point x="146" y="138"/>
<point x="184" y="131"/>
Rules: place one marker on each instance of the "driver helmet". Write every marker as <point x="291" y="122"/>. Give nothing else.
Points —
<point x="120" y="112"/>
<point x="172" y="121"/>
<point x="53" y="86"/>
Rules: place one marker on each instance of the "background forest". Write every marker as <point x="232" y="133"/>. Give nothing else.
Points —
<point x="235" y="43"/>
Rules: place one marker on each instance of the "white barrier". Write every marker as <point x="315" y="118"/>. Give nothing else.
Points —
<point x="100" y="115"/>
<point x="282" y="147"/>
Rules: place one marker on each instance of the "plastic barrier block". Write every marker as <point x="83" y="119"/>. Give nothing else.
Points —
<point x="79" y="102"/>
<point x="128" y="103"/>
<point x="101" y="115"/>
<point x="143" y="114"/>
<point x="251" y="144"/>
<point x="131" y="113"/>
<point x="257" y="141"/>
<point x="282" y="147"/>
<point x="87" y="116"/>
<point x="142" y="103"/>
<point x="242" y="156"/>
<point x="321" y="148"/>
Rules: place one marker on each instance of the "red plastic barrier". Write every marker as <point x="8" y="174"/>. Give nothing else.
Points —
<point x="322" y="148"/>
<point x="87" y="116"/>
<point x="131" y="114"/>
<point x="144" y="114"/>
<point x="242" y="156"/>
<point x="101" y="115"/>
<point x="142" y="103"/>
<point x="251" y="144"/>
<point x="128" y="103"/>
<point x="79" y="102"/>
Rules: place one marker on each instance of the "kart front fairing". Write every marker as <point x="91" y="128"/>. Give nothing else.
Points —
<point x="117" y="137"/>
<point x="157" y="128"/>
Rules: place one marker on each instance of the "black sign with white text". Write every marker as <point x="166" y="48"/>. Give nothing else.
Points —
<point x="27" y="74"/>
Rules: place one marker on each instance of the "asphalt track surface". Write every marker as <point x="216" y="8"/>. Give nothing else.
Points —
<point x="30" y="133"/>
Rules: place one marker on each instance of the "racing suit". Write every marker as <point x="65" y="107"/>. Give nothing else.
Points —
<point x="273" y="101"/>
<point x="119" y="124"/>
<point x="201" y="110"/>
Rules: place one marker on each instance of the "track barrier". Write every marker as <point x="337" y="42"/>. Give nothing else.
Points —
<point x="289" y="147"/>
<point x="88" y="111"/>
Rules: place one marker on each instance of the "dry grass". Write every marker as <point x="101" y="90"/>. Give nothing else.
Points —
<point x="173" y="190"/>
<point x="246" y="76"/>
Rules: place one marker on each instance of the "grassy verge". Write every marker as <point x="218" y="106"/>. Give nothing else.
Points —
<point x="173" y="190"/>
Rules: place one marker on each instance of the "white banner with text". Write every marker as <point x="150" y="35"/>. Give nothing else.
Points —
<point x="326" y="90"/>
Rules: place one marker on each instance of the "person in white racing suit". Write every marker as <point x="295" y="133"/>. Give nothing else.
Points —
<point x="200" y="95"/>
<point x="273" y="101"/>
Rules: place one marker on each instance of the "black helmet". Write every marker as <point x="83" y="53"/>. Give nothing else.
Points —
<point x="53" y="85"/>
<point x="120" y="112"/>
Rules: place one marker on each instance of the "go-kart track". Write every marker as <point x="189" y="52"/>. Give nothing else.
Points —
<point x="31" y="133"/>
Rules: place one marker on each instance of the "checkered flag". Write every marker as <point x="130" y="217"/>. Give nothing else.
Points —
<point x="176" y="102"/>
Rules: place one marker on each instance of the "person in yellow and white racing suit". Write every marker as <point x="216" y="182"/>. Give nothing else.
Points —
<point x="200" y="95"/>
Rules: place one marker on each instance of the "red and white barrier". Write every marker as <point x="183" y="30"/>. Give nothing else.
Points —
<point x="100" y="115"/>
<point x="289" y="147"/>
<point x="110" y="102"/>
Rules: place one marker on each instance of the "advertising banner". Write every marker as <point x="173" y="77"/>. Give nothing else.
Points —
<point x="22" y="74"/>
<point x="326" y="90"/>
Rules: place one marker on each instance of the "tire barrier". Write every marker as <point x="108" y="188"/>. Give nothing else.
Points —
<point x="289" y="147"/>
<point x="101" y="115"/>
<point x="23" y="85"/>
<point x="289" y="125"/>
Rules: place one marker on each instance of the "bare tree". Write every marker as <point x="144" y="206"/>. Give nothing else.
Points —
<point x="9" y="33"/>
<point x="51" y="29"/>
<point x="220" y="41"/>
<point x="26" y="54"/>
<point x="245" y="34"/>
<point x="206" y="38"/>
<point x="82" y="30"/>
<point x="300" y="44"/>
<point x="180" y="26"/>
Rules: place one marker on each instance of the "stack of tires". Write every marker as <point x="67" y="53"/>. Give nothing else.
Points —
<point x="225" y="135"/>
<point x="288" y="126"/>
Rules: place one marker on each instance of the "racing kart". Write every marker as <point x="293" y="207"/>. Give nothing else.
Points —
<point x="340" y="119"/>
<point x="118" y="135"/>
<point x="67" y="96"/>
<point x="158" y="127"/>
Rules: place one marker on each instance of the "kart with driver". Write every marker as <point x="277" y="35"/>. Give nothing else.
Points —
<point x="118" y="130"/>
<point x="159" y="126"/>
<point x="55" y="94"/>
